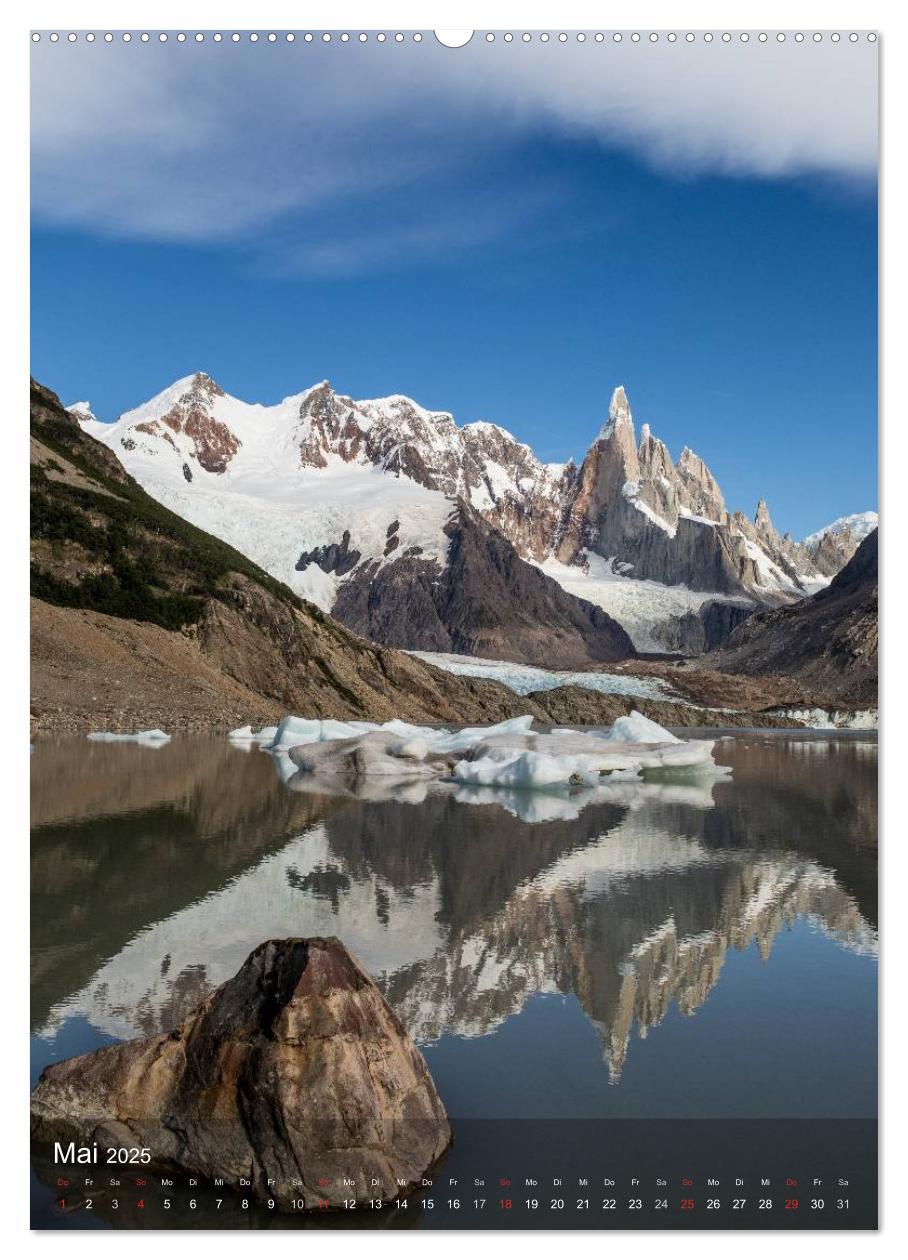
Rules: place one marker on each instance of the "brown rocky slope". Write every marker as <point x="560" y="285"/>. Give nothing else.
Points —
<point x="829" y="641"/>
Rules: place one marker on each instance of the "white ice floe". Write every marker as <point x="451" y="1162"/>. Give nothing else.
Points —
<point x="153" y="739"/>
<point x="508" y="754"/>
<point x="372" y="755"/>
<point x="294" y="731"/>
<point x="498" y="767"/>
<point x="246" y="735"/>
<point x="551" y="760"/>
<point x="637" y="729"/>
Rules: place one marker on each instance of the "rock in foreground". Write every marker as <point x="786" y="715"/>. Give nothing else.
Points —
<point x="295" y="1074"/>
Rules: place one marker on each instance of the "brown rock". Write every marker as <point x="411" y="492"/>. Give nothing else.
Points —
<point x="827" y="642"/>
<point x="295" y="1074"/>
<point x="486" y="601"/>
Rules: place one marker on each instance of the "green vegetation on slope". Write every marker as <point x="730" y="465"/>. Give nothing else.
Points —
<point x="101" y="543"/>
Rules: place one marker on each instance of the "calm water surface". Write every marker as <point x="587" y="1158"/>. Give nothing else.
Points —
<point x="689" y="949"/>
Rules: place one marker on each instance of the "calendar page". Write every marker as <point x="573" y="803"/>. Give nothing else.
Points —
<point x="454" y="629"/>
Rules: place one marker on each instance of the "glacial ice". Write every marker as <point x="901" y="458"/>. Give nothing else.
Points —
<point x="294" y="731"/>
<point x="246" y="735"/>
<point x="496" y="767"/>
<point x="152" y="739"/>
<point x="523" y="679"/>
<point x="508" y="755"/>
<point x="634" y="728"/>
<point x="581" y="760"/>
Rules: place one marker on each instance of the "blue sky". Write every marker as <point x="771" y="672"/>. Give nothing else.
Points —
<point x="503" y="239"/>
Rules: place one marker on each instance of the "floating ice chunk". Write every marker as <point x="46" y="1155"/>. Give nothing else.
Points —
<point x="637" y="729"/>
<point x="405" y="729"/>
<point x="525" y="770"/>
<point x="460" y="741"/>
<point x="415" y="747"/>
<point x="293" y="731"/>
<point x="540" y="767"/>
<point x="246" y="735"/>
<point x="507" y="754"/>
<point x="153" y="739"/>
<point x="363" y="756"/>
<point x="682" y="755"/>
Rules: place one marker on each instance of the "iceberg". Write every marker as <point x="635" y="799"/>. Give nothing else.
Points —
<point x="637" y="729"/>
<point x="246" y="735"/>
<point x="153" y="739"/>
<point x="509" y="755"/>
<point x="579" y="761"/>
<point x="295" y="731"/>
<point x="374" y="754"/>
<point x="498" y="768"/>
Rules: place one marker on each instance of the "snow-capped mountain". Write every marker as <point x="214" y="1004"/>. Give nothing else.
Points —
<point x="366" y="508"/>
<point x="833" y="546"/>
<point x="631" y="504"/>
<point x="82" y="411"/>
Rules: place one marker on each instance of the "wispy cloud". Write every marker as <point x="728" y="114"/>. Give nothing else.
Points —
<point x="371" y="151"/>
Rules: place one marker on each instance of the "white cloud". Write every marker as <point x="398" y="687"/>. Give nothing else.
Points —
<point x="749" y="109"/>
<point x="207" y="143"/>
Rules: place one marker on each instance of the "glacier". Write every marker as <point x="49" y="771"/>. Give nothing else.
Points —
<point x="524" y="679"/>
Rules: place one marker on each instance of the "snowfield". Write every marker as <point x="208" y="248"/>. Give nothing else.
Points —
<point x="306" y="511"/>
<point x="265" y="502"/>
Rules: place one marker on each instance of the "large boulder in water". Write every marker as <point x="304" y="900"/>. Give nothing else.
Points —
<point x="294" y="1075"/>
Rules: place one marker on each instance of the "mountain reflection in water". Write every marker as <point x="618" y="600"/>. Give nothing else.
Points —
<point x="156" y="871"/>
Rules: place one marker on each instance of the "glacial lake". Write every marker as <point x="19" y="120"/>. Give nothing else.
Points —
<point x="685" y="950"/>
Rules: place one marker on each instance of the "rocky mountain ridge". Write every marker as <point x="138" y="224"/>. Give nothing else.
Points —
<point x="833" y="546"/>
<point x="829" y="641"/>
<point x="381" y="480"/>
<point x="486" y="601"/>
